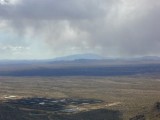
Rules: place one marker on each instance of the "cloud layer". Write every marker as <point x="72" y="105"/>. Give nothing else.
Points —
<point x="50" y="28"/>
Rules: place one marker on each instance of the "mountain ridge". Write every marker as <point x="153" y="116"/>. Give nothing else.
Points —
<point x="88" y="56"/>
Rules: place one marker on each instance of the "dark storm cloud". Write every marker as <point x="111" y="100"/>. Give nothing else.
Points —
<point x="108" y="27"/>
<point x="54" y="9"/>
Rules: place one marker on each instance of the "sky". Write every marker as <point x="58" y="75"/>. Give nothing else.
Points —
<point x="45" y="29"/>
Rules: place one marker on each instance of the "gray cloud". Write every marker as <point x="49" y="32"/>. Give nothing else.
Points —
<point x="54" y="9"/>
<point x="108" y="27"/>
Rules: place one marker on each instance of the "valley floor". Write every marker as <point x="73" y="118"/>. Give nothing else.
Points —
<point x="131" y="95"/>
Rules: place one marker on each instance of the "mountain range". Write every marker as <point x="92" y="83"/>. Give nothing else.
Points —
<point x="80" y="57"/>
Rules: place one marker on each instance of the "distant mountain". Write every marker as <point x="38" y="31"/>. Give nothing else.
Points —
<point x="85" y="58"/>
<point x="150" y="58"/>
<point x="143" y="58"/>
<point x="80" y="57"/>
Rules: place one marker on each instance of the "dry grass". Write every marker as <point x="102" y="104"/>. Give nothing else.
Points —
<point x="136" y="94"/>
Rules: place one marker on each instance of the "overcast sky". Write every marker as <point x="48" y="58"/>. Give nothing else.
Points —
<point x="42" y="29"/>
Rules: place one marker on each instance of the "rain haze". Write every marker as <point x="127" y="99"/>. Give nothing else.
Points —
<point x="43" y="29"/>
